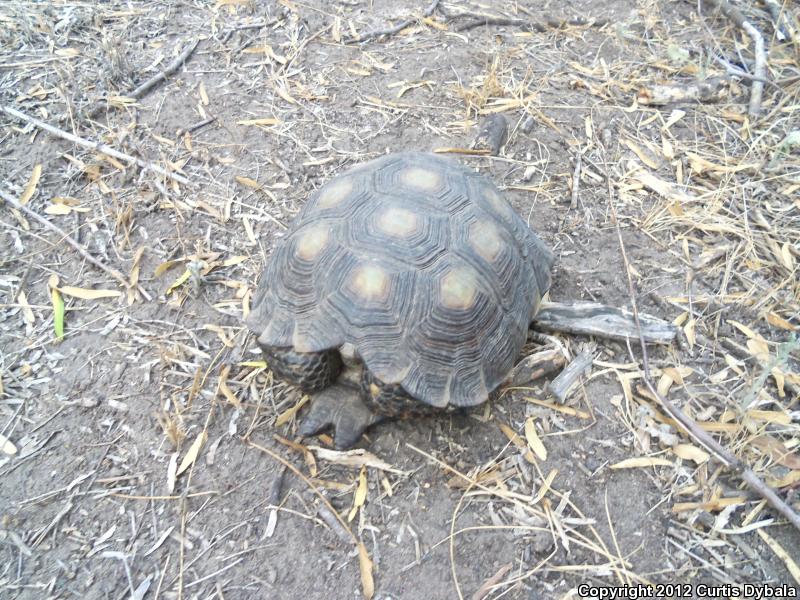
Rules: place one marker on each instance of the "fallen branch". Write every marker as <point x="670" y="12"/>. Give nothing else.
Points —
<point x="395" y="28"/>
<point x="64" y="135"/>
<point x="590" y="318"/>
<point x="535" y="366"/>
<point x="490" y="584"/>
<point x="195" y="127"/>
<point x="539" y="26"/>
<point x="492" y="135"/>
<point x="708" y="90"/>
<point x="561" y="385"/>
<point x="274" y="499"/>
<point x="760" y="54"/>
<point x="148" y="85"/>
<point x="576" y="180"/>
<point x="256" y="25"/>
<point x="81" y="250"/>
<point x="702" y="437"/>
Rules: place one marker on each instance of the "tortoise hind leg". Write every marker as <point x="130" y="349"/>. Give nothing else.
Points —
<point x="312" y="371"/>
<point x="340" y="407"/>
<point x="390" y="400"/>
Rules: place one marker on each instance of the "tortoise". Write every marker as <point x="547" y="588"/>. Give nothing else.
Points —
<point x="405" y="285"/>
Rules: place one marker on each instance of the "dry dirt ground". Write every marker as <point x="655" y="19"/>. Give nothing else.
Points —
<point x="276" y="98"/>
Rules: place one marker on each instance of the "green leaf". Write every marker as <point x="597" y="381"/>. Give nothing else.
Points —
<point x="58" y="312"/>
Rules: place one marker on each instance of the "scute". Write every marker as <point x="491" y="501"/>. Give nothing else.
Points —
<point x="421" y="265"/>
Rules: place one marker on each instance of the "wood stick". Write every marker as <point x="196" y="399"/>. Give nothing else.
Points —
<point x="148" y="85"/>
<point x="348" y="533"/>
<point x="492" y="134"/>
<point x="396" y="28"/>
<point x="81" y="250"/>
<point x="702" y="437"/>
<point x="576" y="180"/>
<point x="708" y="90"/>
<point x="590" y="318"/>
<point x="541" y="27"/>
<point x="561" y="385"/>
<point x="535" y="366"/>
<point x="760" y="67"/>
<point x="64" y="135"/>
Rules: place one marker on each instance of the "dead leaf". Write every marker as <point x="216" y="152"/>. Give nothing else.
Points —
<point x="203" y="95"/>
<point x="191" y="454"/>
<point x="365" y="566"/>
<point x="778" y="321"/>
<point x="27" y="312"/>
<point x="646" y="156"/>
<point x="88" y="294"/>
<point x="247" y="182"/>
<point x="642" y="461"/>
<point x="172" y="468"/>
<point x="7" y="445"/>
<point x="226" y="391"/>
<point x="533" y="439"/>
<point x="689" y="331"/>
<point x="777" y="451"/>
<point x="360" y="495"/>
<point x="166" y="266"/>
<point x="184" y="277"/>
<point x="265" y="121"/>
<point x="759" y="349"/>
<point x="743" y="328"/>
<point x="515" y="439"/>
<point x="289" y="413"/>
<point x="57" y="210"/>
<point x="700" y="165"/>
<point x="690" y="452"/>
<point x="30" y="187"/>
<point x="665" y="189"/>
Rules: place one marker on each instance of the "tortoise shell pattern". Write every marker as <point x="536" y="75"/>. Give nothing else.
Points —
<point x="418" y="262"/>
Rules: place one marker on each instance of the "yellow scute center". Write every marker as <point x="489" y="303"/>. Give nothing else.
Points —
<point x="459" y="288"/>
<point x="312" y="241"/>
<point x="421" y="179"/>
<point x="397" y="222"/>
<point x="333" y="193"/>
<point x="370" y="282"/>
<point x="485" y="240"/>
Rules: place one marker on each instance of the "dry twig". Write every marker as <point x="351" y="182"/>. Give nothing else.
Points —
<point x="548" y="24"/>
<point x="561" y="385"/>
<point x="395" y="28"/>
<point x="151" y="83"/>
<point x="81" y="250"/>
<point x="576" y="180"/>
<point x="64" y="135"/>
<point x="708" y="90"/>
<point x="760" y="67"/>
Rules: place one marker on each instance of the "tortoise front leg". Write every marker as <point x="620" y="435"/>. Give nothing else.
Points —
<point x="340" y="407"/>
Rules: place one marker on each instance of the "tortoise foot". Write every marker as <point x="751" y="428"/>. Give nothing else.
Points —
<point x="338" y="407"/>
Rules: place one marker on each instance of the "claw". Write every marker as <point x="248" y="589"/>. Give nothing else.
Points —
<point x="340" y="407"/>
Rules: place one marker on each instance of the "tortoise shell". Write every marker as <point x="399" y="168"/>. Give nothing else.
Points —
<point x="421" y="265"/>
